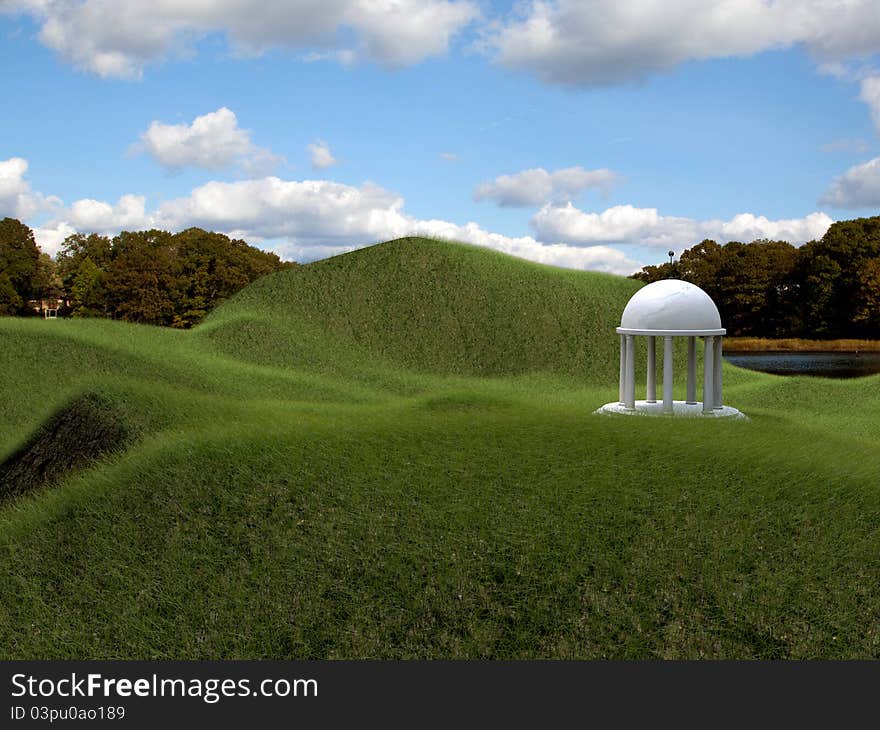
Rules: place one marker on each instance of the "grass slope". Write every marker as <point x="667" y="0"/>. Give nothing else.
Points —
<point x="428" y="306"/>
<point x="391" y="454"/>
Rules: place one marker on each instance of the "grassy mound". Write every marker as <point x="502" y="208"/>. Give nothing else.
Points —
<point x="429" y="306"/>
<point x="323" y="470"/>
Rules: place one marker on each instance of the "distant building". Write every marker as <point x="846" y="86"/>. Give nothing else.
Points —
<point x="48" y="307"/>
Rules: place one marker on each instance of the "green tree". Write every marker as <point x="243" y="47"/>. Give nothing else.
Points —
<point x="816" y="284"/>
<point x="10" y="301"/>
<point x="866" y="307"/>
<point x="750" y="285"/>
<point x="828" y="277"/>
<point x="749" y="282"/>
<point x="19" y="264"/>
<point x="139" y="280"/>
<point x="210" y="268"/>
<point x="87" y="292"/>
<point x="76" y="249"/>
<point x="650" y="274"/>
<point x="701" y="263"/>
<point x="47" y="283"/>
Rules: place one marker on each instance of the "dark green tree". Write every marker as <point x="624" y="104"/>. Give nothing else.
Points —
<point x="140" y="279"/>
<point x="210" y="268"/>
<point x="87" y="295"/>
<point x="19" y="266"/>
<point x="828" y="277"/>
<point x="76" y="249"/>
<point x="154" y="277"/>
<point x="825" y="288"/>
<point x="866" y="307"/>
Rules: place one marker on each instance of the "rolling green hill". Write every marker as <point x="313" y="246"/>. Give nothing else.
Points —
<point x="428" y="306"/>
<point x="391" y="453"/>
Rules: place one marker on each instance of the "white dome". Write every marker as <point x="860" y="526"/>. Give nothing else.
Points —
<point x="671" y="306"/>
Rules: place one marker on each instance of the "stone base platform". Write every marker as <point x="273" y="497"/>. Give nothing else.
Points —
<point x="679" y="408"/>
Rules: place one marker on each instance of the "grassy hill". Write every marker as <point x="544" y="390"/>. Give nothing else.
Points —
<point x="391" y="453"/>
<point x="428" y="306"/>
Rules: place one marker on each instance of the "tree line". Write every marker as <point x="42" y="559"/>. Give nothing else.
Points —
<point x="825" y="289"/>
<point x="828" y="288"/>
<point x="152" y="277"/>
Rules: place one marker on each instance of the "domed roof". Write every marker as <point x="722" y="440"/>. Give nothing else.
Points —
<point x="671" y="306"/>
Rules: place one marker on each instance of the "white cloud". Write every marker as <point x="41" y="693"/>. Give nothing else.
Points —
<point x="310" y="219"/>
<point x="646" y="227"/>
<point x="96" y="216"/>
<point x="50" y="237"/>
<point x="403" y="32"/>
<point x="308" y="211"/>
<point x="318" y="217"/>
<point x="578" y="43"/>
<point x="212" y="141"/>
<point x="537" y="186"/>
<point x="304" y="254"/>
<point x="592" y="258"/>
<point x="449" y="156"/>
<point x="307" y="220"/>
<point x="17" y="200"/>
<point x="858" y="187"/>
<point x="117" y="39"/>
<point x="320" y="154"/>
<point x="595" y="258"/>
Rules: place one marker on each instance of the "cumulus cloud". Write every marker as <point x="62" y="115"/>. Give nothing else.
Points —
<point x="96" y="216"/>
<point x="309" y="211"/>
<point x="858" y="187"/>
<point x="594" y="258"/>
<point x="318" y="216"/>
<point x="320" y="155"/>
<point x="310" y="219"/>
<point x="17" y="200"/>
<point x="51" y="236"/>
<point x="306" y="220"/>
<point x="395" y="33"/>
<point x="646" y="227"/>
<point x="212" y="141"/>
<point x="537" y="186"/>
<point x="578" y="43"/>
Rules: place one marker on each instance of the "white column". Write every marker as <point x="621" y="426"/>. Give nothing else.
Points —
<point x="708" y="373"/>
<point x="652" y="370"/>
<point x="717" y="396"/>
<point x="620" y="394"/>
<point x="629" y="390"/>
<point x="667" y="374"/>
<point x="692" y="370"/>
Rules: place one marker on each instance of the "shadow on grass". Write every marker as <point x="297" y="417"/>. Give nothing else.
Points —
<point x="86" y="428"/>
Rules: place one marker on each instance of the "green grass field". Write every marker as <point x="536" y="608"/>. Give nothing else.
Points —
<point x="392" y="454"/>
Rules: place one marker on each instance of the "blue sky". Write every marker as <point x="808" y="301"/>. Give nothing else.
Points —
<point x="586" y="134"/>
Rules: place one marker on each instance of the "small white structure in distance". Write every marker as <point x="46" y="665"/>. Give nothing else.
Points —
<point x="666" y="309"/>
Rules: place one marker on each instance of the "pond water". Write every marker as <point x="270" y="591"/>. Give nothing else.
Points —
<point x="824" y="364"/>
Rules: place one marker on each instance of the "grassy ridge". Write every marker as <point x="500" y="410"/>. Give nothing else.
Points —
<point x="445" y="502"/>
<point x="428" y="306"/>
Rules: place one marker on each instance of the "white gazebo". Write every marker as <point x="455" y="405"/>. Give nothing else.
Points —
<point x="663" y="310"/>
